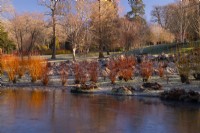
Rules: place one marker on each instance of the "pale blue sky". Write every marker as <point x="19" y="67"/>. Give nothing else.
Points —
<point x="31" y="5"/>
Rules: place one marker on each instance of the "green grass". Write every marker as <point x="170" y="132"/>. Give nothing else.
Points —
<point x="79" y="57"/>
<point x="165" y="48"/>
<point x="156" y="49"/>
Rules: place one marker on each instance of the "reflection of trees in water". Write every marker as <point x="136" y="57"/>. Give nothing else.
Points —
<point x="192" y="118"/>
<point x="187" y="116"/>
<point x="100" y="113"/>
<point x="105" y="113"/>
<point x="25" y="100"/>
<point x="37" y="100"/>
<point x="17" y="99"/>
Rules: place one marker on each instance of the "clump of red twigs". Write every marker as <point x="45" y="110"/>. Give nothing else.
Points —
<point x="86" y="74"/>
<point x="45" y="74"/>
<point x="93" y="71"/>
<point x="64" y="73"/>
<point x="146" y="70"/>
<point x="121" y="67"/>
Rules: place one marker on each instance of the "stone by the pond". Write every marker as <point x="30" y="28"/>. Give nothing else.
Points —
<point x="196" y="76"/>
<point x="86" y="88"/>
<point x="181" y="95"/>
<point x="151" y="86"/>
<point x="123" y="90"/>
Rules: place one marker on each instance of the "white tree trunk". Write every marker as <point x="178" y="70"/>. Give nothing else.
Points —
<point x="74" y="54"/>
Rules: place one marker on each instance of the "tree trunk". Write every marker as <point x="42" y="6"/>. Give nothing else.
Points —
<point x="21" y="43"/>
<point x="101" y="54"/>
<point x="108" y="53"/>
<point x="54" y="36"/>
<point x="74" y="54"/>
<point x="31" y="44"/>
<point x="100" y="34"/>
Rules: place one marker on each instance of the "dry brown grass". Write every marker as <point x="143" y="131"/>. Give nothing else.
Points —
<point x="10" y="64"/>
<point x="36" y="68"/>
<point x="23" y="67"/>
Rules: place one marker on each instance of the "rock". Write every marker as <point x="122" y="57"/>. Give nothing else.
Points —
<point x="152" y="86"/>
<point x="184" y="79"/>
<point x="122" y="90"/>
<point x="181" y="95"/>
<point x="194" y="96"/>
<point x="196" y="76"/>
<point x="84" y="88"/>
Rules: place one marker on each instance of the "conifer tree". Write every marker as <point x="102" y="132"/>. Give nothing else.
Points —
<point x="5" y="43"/>
<point x="137" y="10"/>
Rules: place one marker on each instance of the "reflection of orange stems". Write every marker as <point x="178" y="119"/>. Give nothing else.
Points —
<point x="37" y="99"/>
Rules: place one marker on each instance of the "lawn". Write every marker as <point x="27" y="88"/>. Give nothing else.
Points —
<point x="166" y="48"/>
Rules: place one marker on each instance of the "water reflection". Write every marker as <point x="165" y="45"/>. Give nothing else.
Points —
<point x="31" y="111"/>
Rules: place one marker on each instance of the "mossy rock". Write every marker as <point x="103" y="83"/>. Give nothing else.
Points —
<point x="122" y="91"/>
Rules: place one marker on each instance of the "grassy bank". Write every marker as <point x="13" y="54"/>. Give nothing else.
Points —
<point x="166" y="48"/>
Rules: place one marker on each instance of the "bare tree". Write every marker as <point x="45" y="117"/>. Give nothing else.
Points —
<point x="173" y="17"/>
<point x="56" y="7"/>
<point x="157" y="14"/>
<point x="27" y="29"/>
<point x="127" y="35"/>
<point x="160" y="35"/>
<point x="133" y="34"/>
<point x="183" y="22"/>
<point x="194" y="17"/>
<point x="76" y="24"/>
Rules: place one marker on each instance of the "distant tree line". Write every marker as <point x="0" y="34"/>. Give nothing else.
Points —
<point x="91" y="25"/>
